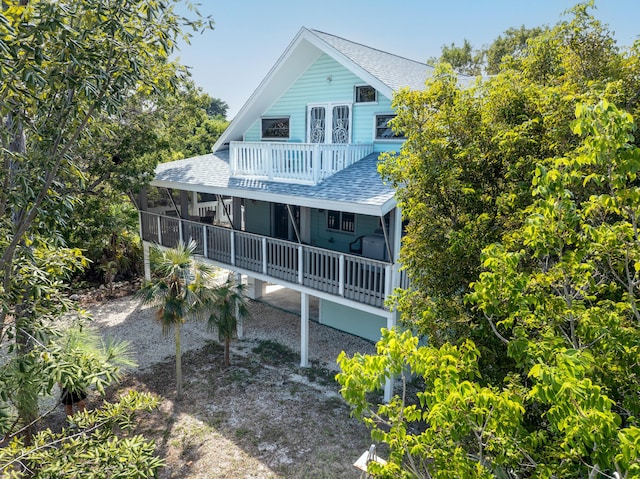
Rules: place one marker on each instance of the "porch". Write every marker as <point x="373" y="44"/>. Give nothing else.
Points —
<point x="303" y="163"/>
<point x="357" y="279"/>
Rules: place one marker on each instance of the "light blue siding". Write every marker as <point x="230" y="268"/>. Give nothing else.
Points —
<point x="313" y="86"/>
<point x="258" y="217"/>
<point x="334" y="240"/>
<point x="351" y="320"/>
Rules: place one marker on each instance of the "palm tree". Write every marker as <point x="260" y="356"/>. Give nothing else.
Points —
<point x="179" y="292"/>
<point x="228" y="305"/>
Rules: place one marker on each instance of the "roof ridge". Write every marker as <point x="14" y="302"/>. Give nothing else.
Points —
<point x="313" y="30"/>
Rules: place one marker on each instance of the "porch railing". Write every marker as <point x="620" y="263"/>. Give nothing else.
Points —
<point x="304" y="163"/>
<point x="364" y="280"/>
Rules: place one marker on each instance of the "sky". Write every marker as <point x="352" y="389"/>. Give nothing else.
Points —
<point x="249" y="36"/>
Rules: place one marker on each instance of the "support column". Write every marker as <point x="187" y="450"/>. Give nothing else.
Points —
<point x="184" y="204"/>
<point x="255" y="288"/>
<point x="240" y="321"/>
<point x="388" y="386"/>
<point x="305" y="224"/>
<point x="236" y="213"/>
<point x="304" y="330"/>
<point x="146" y="260"/>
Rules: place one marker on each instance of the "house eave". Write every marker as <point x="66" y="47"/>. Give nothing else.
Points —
<point x="305" y="48"/>
<point x="351" y="207"/>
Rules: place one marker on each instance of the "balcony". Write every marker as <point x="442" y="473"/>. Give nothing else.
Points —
<point x="363" y="280"/>
<point x="302" y="163"/>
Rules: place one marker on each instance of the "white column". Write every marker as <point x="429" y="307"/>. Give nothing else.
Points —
<point x="240" y="323"/>
<point x="304" y="330"/>
<point x="388" y="386"/>
<point x="255" y="288"/>
<point x="146" y="260"/>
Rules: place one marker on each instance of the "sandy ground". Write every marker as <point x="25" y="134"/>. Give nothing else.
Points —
<point x="125" y="318"/>
<point x="262" y="417"/>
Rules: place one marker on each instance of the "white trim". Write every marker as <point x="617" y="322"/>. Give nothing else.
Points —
<point x="372" y="210"/>
<point x="274" y="117"/>
<point x="400" y="139"/>
<point x="301" y="53"/>
<point x="328" y="120"/>
<point x="355" y="95"/>
<point x="367" y="308"/>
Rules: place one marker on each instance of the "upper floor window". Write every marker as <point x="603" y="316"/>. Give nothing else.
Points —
<point x="275" y="128"/>
<point x="384" y="130"/>
<point x="366" y="94"/>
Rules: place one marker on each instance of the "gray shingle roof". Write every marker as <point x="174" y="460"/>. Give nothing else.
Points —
<point x="394" y="71"/>
<point x="358" y="185"/>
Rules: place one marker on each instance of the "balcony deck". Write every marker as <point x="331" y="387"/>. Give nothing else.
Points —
<point x="362" y="280"/>
<point x="303" y="163"/>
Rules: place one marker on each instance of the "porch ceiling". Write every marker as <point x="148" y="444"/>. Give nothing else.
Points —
<point x="358" y="188"/>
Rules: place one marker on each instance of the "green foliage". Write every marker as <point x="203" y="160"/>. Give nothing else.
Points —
<point x="179" y="291"/>
<point x="99" y="444"/>
<point x="66" y="71"/>
<point x="463" y="176"/>
<point x="463" y="59"/>
<point x="522" y="246"/>
<point x="227" y="305"/>
<point x="561" y="294"/>
<point x="452" y="425"/>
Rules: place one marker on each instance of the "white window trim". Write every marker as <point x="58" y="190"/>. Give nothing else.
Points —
<point x="329" y="118"/>
<point x="275" y="117"/>
<point x="355" y="95"/>
<point x="375" y="125"/>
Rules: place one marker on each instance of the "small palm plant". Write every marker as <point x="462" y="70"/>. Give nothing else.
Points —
<point x="228" y="305"/>
<point x="179" y="292"/>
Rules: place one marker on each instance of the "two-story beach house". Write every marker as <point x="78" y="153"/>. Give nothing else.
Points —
<point x="291" y="193"/>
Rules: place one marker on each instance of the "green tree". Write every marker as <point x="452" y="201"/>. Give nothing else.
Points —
<point x="228" y="305"/>
<point x="465" y="170"/>
<point x="512" y="44"/>
<point x="179" y="292"/>
<point x="120" y="159"/>
<point x="487" y="60"/>
<point x="101" y="444"/>
<point x="62" y="65"/>
<point x="561" y="292"/>
<point x="463" y="59"/>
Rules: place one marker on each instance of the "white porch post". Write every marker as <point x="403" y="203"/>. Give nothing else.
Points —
<point x="304" y="330"/>
<point x="255" y="288"/>
<point x="388" y="386"/>
<point x="146" y="261"/>
<point x="240" y="322"/>
<point x="394" y="282"/>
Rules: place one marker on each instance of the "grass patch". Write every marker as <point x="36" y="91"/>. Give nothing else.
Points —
<point x="274" y="353"/>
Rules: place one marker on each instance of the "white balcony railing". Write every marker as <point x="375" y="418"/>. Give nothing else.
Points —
<point x="304" y="163"/>
<point x="364" y="280"/>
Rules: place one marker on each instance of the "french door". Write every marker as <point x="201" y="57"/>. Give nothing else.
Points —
<point x="329" y="123"/>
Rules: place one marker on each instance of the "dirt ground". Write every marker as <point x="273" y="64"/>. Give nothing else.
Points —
<point x="262" y="417"/>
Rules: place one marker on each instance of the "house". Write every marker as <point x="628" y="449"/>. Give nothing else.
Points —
<point x="291" y="194"/>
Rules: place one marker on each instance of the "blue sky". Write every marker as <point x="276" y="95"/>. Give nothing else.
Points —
<point x="250" y="35"/>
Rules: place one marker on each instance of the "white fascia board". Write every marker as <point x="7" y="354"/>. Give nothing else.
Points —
<point x="371" y="210"/>
<point x="305" y="49"/>
<point x="298" y="56"/>
<point x="350" y="65"/>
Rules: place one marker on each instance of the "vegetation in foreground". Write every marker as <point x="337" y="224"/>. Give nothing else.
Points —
<point x="523" y="202"/>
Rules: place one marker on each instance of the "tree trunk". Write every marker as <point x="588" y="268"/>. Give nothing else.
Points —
<point x="227" y="347"/>
<point x="178" y="364"/>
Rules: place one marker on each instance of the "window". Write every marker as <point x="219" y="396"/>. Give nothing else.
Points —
<point x="341" y="221"/>
<point x="366" y="94"/>
<point x="383" y="129"/>
<point x="275" y="128"/>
